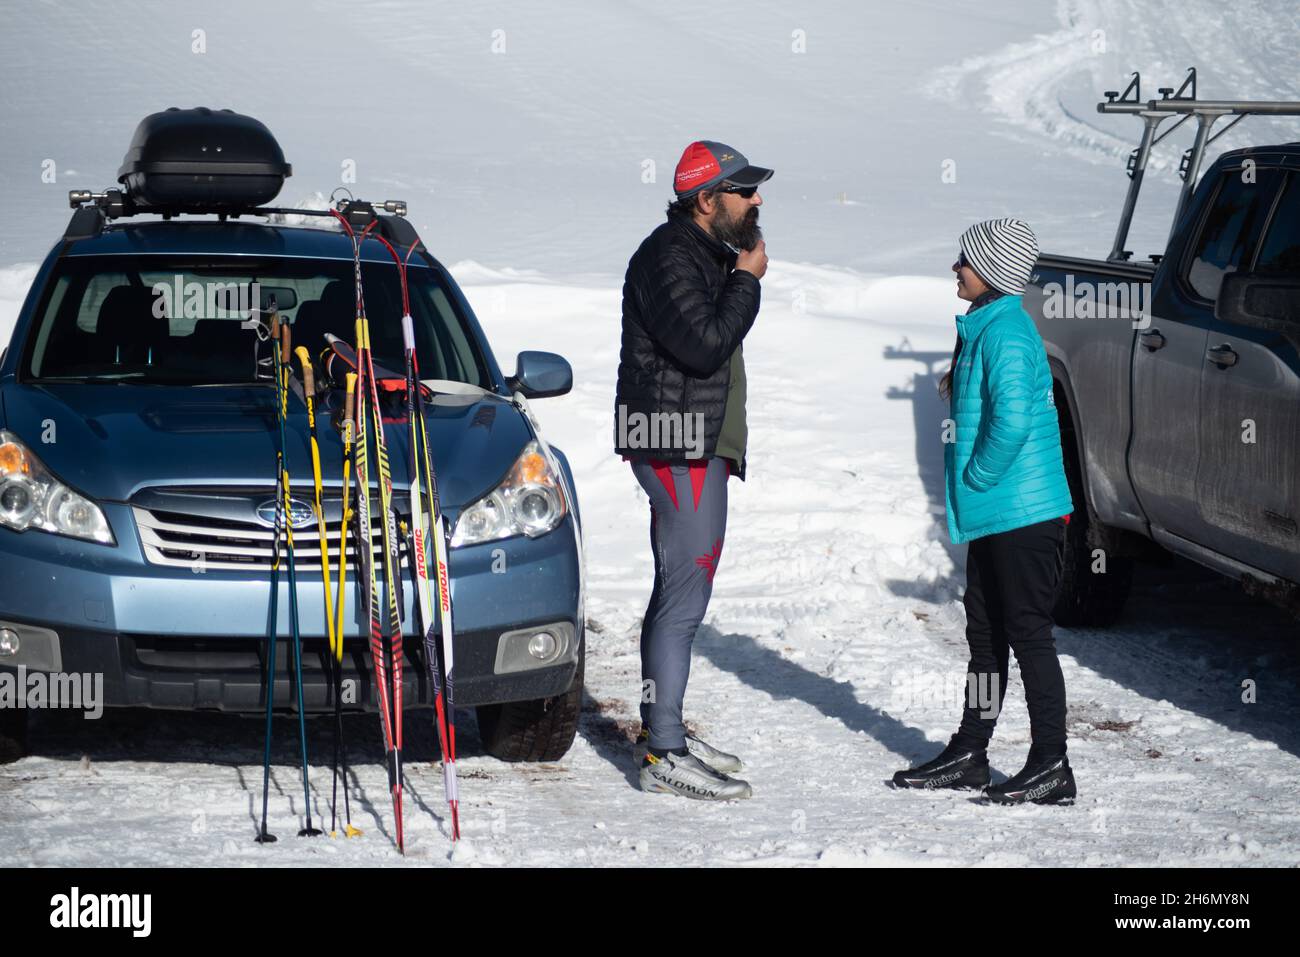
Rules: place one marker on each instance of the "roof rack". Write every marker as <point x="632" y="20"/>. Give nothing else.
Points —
<point x="1184" y="104"/>
<point x="94" y="210"/>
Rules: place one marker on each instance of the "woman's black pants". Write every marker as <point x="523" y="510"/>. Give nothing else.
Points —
<point x="1011" y="582"/>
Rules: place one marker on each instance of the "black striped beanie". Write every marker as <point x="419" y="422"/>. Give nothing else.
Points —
<point x="1002" y="252"/>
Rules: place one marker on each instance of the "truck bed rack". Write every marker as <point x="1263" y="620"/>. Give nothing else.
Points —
<point x="1183" y="104"/>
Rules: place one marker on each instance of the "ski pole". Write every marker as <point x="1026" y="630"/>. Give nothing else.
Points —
<point x="264" y="836"/>
<point x="284" y="372"/>
<point x="340" y="752"/>
<point x="335" y="637"/>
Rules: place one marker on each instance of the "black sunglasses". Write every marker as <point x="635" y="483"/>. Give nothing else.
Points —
<point x="744" y="192"/>
<point x="961" y="260"/>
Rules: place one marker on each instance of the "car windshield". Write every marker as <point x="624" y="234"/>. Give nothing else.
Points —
<point x="191" y="320"/>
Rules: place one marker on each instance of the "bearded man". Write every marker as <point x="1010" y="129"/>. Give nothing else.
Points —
<point x="690" y="297"/>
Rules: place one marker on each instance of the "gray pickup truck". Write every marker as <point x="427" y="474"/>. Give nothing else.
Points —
<point x="1177" y="380"/>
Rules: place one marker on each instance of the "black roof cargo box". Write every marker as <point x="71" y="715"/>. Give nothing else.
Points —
<point x="202" y="159"/>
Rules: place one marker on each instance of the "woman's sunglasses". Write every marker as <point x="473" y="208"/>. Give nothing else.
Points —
<point x="961" y="261"/>
<point x="744" y="192"/>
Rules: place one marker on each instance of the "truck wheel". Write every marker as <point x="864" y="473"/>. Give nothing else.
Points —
<point x="540" y="730"/>
<point x="1086" y="597"/>
<point x="13" y="735"/>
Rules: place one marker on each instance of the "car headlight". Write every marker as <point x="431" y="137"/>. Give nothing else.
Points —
<point x="30" y="497"/>
<point x="529" y="501"/>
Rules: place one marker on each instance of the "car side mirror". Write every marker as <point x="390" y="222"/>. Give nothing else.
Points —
<point x="1260" y="302"/>
<point x="540" y="375"/>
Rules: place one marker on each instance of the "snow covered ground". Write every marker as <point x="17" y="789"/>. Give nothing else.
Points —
<point x="833" y="651"/>
<point x="832" y="655"/>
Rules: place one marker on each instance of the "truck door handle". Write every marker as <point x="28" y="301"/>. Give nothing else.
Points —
<point x="1222" y="356"/>
<point x="1152" y="340"/>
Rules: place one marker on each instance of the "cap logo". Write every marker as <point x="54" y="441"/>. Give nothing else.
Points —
<point x="697" y="166"/>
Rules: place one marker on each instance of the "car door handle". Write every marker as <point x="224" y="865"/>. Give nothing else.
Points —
<point x="1152" y="340"/>
<point x="1222" y="356"/>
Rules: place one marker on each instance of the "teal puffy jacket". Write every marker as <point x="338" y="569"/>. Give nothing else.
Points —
<point x="1004" y="470"/>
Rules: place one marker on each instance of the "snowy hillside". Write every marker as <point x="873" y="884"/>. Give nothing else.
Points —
<point x="534" y="156"/>
<point x="833" y="650"/>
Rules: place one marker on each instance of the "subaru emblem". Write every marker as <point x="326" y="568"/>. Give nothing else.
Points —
<point x="301" y="514"/>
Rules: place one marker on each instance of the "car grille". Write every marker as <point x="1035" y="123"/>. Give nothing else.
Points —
<point x="219" y="530"/>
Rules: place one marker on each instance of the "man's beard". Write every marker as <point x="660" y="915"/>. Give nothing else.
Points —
<point x="742" y="232"/>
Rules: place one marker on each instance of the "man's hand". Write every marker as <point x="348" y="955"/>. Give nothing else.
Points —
<point x="754" y="260"/>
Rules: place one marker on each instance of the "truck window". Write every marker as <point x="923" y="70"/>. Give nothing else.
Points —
<point x="1230" y="232"/>
<point x="1279" y="254"/>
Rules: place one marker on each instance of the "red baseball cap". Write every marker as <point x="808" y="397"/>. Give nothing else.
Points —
<point x="706" y="163"/>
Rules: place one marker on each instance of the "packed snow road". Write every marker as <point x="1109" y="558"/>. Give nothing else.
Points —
<point x="832" y="655"/>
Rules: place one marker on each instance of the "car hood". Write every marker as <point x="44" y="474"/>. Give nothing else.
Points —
<point x="110" y="440"/>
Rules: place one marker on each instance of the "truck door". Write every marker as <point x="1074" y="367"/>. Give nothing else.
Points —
<point x="1169" y="355"/>
<point x="1248" y="481"/>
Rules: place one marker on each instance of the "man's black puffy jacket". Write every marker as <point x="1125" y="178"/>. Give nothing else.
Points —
<point x="686" y="309"/>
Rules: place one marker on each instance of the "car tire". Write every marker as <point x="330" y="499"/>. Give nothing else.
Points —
<point x="1085" y="597"/>
<point x="538" y="730"/>
<point x="13" y="735"/>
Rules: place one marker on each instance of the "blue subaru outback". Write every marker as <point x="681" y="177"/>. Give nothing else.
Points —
<point x="137" y="470"/>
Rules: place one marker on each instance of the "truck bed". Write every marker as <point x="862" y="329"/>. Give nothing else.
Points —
<point x="1098" y="351"/>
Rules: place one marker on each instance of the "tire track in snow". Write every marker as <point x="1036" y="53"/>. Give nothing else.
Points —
<point x="1021" y="83"/>
<point x="1046" y="86"/>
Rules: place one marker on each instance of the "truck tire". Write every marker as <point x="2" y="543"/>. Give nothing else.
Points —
<point x="539" y="730"/>
<point x="13" y="735"/>
<point x="1085" y="597"/>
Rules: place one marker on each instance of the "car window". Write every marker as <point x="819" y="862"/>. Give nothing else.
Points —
<point x="1230" y="232"/>
<point x="96" y="291"/>
<point x="1279" y="253"/>
<point x="190" y="320"/>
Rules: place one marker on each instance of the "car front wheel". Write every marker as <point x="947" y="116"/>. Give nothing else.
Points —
<point x="539" y="730"/>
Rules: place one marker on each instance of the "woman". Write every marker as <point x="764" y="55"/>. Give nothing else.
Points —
<point x="1007" y="496"/>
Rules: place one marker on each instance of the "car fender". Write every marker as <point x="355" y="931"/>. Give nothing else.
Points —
<point x="560" y="464"/>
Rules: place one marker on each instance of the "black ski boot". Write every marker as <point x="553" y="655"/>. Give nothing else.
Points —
<point x="1043" y="780"/>
<point x="960" y="765"/>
